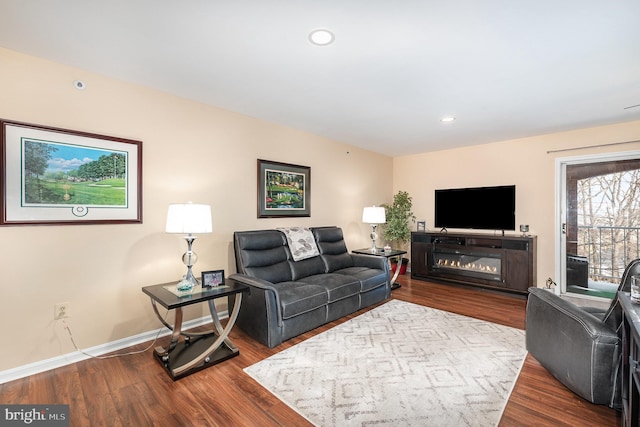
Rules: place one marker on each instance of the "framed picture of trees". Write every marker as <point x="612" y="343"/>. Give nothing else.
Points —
<point x="59" y="176"/>
<point x="284" y="190"/>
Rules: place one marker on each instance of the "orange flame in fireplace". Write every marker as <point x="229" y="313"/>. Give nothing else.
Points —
<point x="467" y="266"/>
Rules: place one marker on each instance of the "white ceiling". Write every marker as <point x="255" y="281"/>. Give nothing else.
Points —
<point x="505" y="69"/>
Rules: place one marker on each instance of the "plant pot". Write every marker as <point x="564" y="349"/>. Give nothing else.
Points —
<point x="403" y="267"/>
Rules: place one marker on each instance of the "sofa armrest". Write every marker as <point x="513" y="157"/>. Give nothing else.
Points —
<point x="370" y="261"/>
<point x="575" y="346"/>
<point x="252" y="281"/>
<point x="264" y="285"/>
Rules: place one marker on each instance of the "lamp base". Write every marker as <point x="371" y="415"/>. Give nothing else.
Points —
<point x="374" y="236"/>
<point x="189" y="258"/>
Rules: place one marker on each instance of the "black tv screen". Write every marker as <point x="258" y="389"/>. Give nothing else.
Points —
<point x="483" y="208"/>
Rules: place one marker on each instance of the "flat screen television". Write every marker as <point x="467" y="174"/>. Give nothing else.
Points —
<point x="483" y="208"/>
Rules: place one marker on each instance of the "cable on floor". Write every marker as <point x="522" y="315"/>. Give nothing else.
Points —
<point x="130" y="353"/>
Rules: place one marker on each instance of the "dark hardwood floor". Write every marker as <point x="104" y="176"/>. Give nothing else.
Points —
<point x="135" y="391"/>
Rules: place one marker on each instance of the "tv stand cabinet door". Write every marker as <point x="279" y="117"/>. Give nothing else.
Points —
<point x="419" y="264"/>
<point x="518" y="274"/>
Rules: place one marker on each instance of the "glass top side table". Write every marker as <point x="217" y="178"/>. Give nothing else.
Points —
<point x="198" y="350"/>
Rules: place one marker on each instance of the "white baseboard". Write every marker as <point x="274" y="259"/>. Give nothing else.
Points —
<point x="99" y="350"/>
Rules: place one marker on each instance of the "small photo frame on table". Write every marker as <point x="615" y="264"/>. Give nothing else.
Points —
<point x="421" y="226"/>
<point x="213" y="278"/>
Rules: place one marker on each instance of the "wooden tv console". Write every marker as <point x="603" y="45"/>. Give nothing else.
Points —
<point x="505" y="263"/>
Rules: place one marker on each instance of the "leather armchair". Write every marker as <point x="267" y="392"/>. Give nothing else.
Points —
<point x="579" y="346"/>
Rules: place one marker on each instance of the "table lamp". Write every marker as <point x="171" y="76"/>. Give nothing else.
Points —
<point x="373" y="215"/>
<point x="189" y="219"/>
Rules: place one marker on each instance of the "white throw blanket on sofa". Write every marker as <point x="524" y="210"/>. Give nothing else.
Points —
<point x="301" y="242"/>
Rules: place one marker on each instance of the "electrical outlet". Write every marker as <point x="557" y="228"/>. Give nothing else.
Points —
<point x="61" y="310"/>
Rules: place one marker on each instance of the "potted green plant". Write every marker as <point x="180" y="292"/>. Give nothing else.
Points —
<point x="396" y="230"/>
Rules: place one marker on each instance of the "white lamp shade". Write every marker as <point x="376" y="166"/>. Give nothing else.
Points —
<point x="188" y="218"/>
<point x="373" y="215"/>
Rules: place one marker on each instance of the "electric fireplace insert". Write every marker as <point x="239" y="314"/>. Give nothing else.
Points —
<point x="486" y="266"/>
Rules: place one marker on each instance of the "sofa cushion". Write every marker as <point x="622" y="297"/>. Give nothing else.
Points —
<point x="369" y="278"/>
<point x="262" y="254"/>
<point x="297" y="298"/>
<point x="271" y="273"/>
<point x="259" y="239"/>
<point x="332" y="248"/>
<point x="337" y="286"/>
<point x="337" y="262"/>
<point x="306" y="267"/>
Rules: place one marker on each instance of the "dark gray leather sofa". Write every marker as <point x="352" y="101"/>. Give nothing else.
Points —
<point x="579" y="346"/>
<point x="289" y="297"/>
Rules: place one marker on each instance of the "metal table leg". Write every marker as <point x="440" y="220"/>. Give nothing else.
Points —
<point x="395" y="285"/>
<point x="222" y="338"/>
<point x="218" y="325"/>
<point x="175" y="334"/>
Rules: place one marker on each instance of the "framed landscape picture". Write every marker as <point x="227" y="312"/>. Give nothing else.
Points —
<point x="58" y="176"/>
<point x="284" y="190"/>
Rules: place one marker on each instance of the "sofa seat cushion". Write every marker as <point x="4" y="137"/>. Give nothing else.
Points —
<point x="337" y="286"/>
<point x="297" y="298"/>
<point x="369" y="278"/>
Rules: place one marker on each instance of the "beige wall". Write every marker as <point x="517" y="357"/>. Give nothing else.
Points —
<point x="196" y="152"/>
<point x="523" y="162"/>
<point x="190" y="152"/>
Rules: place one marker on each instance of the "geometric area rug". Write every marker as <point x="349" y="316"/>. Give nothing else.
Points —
<point x="400" y="364"/>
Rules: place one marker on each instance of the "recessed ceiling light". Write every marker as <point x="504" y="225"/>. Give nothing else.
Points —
<point x="321" y="37"/>
<point x="447" y="119"/>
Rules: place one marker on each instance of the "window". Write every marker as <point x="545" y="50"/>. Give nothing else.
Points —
<point x="602" y="224"/>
